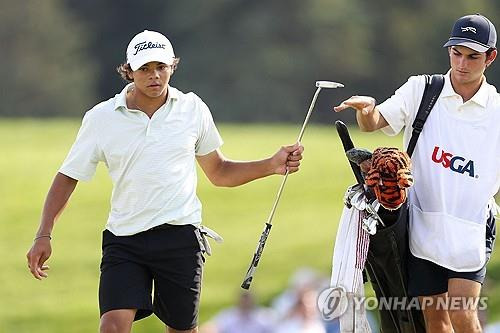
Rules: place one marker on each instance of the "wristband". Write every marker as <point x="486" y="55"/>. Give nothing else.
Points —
<point x="42" y="236"/>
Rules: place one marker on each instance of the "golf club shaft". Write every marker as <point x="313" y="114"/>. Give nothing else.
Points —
<point x="301" y="134"/>
<point x="263" y="238"/>
<point x="311" y="108"/>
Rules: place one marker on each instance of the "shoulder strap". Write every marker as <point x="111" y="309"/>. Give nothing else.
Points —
<point x="433" y="87"/>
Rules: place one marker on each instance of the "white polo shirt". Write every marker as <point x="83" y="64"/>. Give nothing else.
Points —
<point x="151" y="161"/>
<point x="456" y="167"/>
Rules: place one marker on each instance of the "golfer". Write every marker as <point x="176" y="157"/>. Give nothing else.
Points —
<point x="456" y="166"/>
<point x="149" y="136"/>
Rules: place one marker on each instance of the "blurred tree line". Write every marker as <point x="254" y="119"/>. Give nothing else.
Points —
<point x="249" y="60"/>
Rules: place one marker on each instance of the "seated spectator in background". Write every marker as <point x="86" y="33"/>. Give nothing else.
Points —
<point x="246" y="317"/>
<point x="303" y="316"/>
<point x="302" y="278"/>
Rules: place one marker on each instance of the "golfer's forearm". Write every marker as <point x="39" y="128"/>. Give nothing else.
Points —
<point x="371" y="121"/>
<point x="56" y="200"/>
<point x="235" y="173"/>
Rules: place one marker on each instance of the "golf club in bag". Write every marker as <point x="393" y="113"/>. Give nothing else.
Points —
<point x="267" y="229"/>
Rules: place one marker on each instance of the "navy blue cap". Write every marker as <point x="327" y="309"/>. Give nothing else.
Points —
<point x="475" y="32"/>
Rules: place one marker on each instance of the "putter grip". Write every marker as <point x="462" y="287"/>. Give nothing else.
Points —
<point x="256" y="257"/>
<point x="348" y="144"/>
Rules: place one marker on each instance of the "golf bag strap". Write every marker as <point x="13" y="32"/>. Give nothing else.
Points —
<point x="433" y="87"/>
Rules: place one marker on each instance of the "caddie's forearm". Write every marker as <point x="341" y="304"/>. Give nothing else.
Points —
<point x="235" y="173"/>
<point x="56" y="200"/>
<point x="370" y="122"/>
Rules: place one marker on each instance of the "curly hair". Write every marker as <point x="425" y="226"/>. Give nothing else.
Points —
<point x="124" y="69"/>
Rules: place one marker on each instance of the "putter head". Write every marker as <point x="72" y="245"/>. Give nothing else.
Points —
<point x="329" y="84"/>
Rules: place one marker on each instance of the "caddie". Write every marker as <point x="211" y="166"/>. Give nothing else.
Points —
<point x="456" y="167"/>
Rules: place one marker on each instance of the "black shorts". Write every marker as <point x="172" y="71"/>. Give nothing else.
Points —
<point x="166" y="259"/>
<point x="426" y="278"/>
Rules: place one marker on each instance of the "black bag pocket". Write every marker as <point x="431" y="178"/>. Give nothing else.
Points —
<point x="387" y="269"/>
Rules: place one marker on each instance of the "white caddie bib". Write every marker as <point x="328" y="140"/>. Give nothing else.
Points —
<point x="455" y="170"/>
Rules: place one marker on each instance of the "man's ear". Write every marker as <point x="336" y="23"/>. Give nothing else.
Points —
<point x="491" y="57"/>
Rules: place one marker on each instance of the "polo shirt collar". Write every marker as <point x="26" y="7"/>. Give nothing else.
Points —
<point x="480" y="98"/>
<point x="121" y="98"/>
<point x="448" y="90"/>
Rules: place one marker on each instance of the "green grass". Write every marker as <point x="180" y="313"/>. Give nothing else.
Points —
<point x="303" y="233"/>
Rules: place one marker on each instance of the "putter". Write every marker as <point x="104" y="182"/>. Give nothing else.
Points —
<point x="267" y="229"/>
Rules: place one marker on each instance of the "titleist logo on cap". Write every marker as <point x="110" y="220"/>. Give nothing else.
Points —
<point x="471" y="29"/>
<point x="148" y="45"/>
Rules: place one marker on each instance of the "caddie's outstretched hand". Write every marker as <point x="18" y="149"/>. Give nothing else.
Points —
<point x="37" y="256"/>
<point x="363" y="104"/>
<point x="287" y="158"/>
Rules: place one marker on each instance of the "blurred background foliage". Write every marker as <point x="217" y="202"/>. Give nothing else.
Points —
<point x="251" y="61"/>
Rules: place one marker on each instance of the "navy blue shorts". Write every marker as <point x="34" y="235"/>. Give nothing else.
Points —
<point x="167" y="260"/>
<point x="426" y="278"/>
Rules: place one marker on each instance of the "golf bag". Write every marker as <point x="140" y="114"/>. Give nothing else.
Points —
<point x="386" y="263"/>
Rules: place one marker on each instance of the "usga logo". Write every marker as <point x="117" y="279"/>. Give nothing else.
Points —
<point x="455" y="163"/>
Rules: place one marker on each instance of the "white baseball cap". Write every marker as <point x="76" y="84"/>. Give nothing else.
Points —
<point x="149" y="46"/>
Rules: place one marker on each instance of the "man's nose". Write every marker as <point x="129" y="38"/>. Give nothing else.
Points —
<point x="155" y="73"/>
<point x="462" y="62"/>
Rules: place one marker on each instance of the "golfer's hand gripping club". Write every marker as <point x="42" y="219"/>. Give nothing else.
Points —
<point x="267" y="229"/>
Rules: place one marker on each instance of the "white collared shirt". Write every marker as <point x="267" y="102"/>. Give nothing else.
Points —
<point x="401" y="108"/>
<point x="151" y="162"/>
<point x="456" y="167"/>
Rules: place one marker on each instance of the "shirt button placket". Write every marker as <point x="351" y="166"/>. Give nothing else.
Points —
<point x="148" y="128"/>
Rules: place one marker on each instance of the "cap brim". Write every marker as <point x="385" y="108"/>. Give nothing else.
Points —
<point x="467" y="43"/>
<point x="138" y="62"/>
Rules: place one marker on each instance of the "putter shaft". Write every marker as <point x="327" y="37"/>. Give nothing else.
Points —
<point x="263" y="238"/>
<point x="301" y="134"/>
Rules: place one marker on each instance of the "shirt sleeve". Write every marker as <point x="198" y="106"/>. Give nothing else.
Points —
<point x="82" y="160"/>
<point x="400" y="109"/>
<point x="209" y="138"/>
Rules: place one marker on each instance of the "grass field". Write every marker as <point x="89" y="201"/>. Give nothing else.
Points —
<point x="303" y="234"/>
